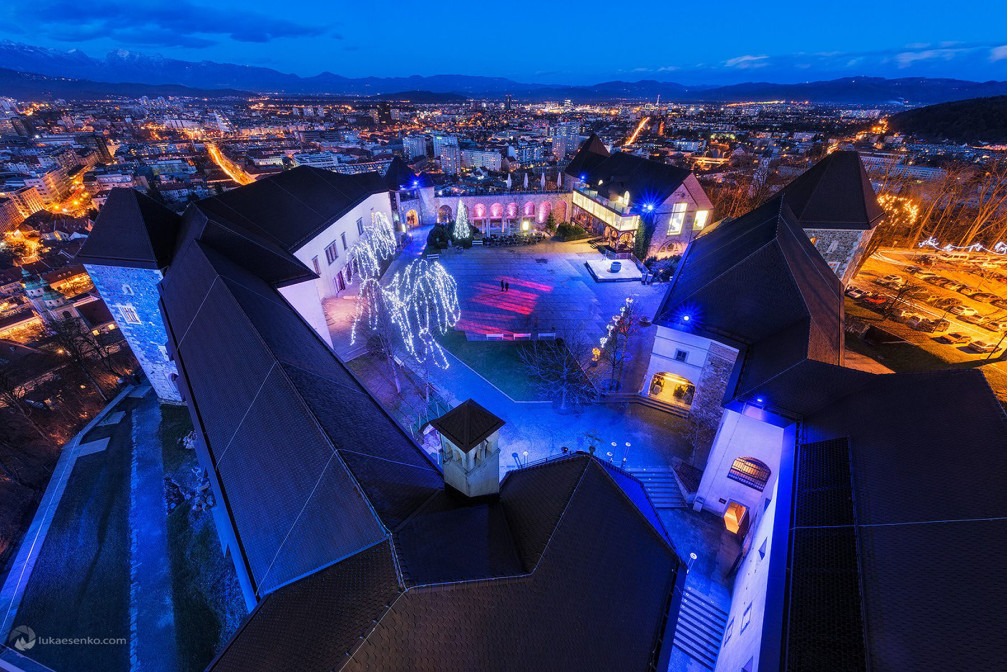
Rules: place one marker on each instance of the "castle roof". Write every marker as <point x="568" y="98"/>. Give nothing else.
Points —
<point x="131" y="230"/>
<point x="835" y="193"/>
<point x="467" y="425"/>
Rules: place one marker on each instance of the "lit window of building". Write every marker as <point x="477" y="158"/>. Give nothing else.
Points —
<point x="702" y="217"/>
<point x="677" y="218"/>
<point x="129" y="314"/>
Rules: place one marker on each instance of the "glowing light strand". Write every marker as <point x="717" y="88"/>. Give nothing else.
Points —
<point x="999" y="248"/>
<point x="376" y="245"/>
<point x="461" y="230"/>
<point x="423" y="298"/>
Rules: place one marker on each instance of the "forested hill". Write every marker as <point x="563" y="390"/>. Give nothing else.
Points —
<point x="973" y="121"/>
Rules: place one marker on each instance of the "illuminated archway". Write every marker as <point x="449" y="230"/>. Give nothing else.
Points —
<point x="672" y="389"/>
<point x="529" y="209"/>
<point x="512" y="211"/>
<point x="496" y="211"/>
<point x="560" y="211"/>
<point x="412" y="219"/>
<point x="444" y="214"/>
<point x="478" y="211"/>
<point x="543" y="212"/>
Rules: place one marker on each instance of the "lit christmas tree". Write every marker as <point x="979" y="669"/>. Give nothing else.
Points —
<point x="461" y="230"/>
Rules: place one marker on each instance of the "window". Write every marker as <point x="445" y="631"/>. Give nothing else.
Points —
<point x="314" y="264"/>
<point x="360" y="225"/>
<point x="129" y="314"/>
<point x="762" y="548"/>
<point x="681" y="355"/>
<point x="729" y="632"/>
<point x="746" y="618"/>
<point x="751" y="472"/>
<point x="342" y="236"/>
<point x="702" y="216"/>
<point x="126" y="289"/>
<point x="677" y="219"/>
<point x="814" y="240"/>
<point x="331" y="253"/>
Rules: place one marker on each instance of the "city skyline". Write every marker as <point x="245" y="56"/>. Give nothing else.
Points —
<point x="692" y="47"/>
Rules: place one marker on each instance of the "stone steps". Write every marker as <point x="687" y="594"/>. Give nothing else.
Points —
<point x="661" y="486"/>
<point x="700" y="628"/>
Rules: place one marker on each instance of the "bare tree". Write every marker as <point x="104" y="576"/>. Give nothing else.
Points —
<point x="989" y="194"/>
<point x="615" y="347"/>
<point x="14" y="395"/>
<point x="74" y="341"/>
<point x="904" y="293"/>
<point x="558" y="370"/>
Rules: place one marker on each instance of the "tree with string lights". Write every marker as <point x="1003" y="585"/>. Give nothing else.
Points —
<point x="373" y="320"/>
<point x="461" y="230"/>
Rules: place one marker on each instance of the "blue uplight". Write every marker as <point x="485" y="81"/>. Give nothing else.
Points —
<point x="583" y="178"/>
<point x="416" y="183"/>
<point x="649" y="207"/>
<point x="686" y="318"/>
<point x="758" y="400"/>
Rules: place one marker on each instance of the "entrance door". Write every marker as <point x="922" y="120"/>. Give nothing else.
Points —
<point x="736" y="518"/>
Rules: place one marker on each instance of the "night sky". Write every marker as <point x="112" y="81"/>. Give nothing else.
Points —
<point x="563" y="42"/>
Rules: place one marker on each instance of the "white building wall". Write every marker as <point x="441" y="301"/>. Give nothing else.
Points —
<point x="347" y="224"/>
<point x="666" y="344"/>
<point x="739" y="435"/>
<point x="743" y="635"/>
<point x="305" y="300"/>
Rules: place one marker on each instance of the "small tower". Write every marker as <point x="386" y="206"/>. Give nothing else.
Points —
<point x="50" y="305"/>
<point x="470" y="451"/>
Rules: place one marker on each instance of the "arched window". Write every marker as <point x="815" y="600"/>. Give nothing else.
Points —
<point x="751" y="472"/>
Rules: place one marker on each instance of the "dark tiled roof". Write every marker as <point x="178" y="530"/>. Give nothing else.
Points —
<point x="131" y="230"/>
<point x="646" y="181"/>
<point x="467" y="424"/>
<point x="757" y="283"/>
<point x="295" y="205"/>
<point x="594" y="598"/>
<point x="400" y="176"/>
<point x="95" y="313"/>
<point x="927" y="459"/>
<point x="590" y="154"/>
<point x="835" y="193"/>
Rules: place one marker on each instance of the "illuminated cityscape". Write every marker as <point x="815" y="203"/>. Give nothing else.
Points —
<point x="696" y="363"/>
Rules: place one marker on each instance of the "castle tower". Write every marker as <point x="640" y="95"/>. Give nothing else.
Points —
<point x="470" y="450"/>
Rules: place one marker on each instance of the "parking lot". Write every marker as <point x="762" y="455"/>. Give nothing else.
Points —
<point x="953" y="311"/>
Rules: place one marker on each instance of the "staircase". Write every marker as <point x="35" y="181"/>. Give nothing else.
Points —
<point x="700" y="629"/>
<point x="650" y="402"/>
<point x="661" y="486"/>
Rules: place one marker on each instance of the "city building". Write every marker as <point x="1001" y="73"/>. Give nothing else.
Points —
<point x="481" y="158"/>
<point x="842" y="486"/>
<point x="637" y="204"/>
<point x="835" y="204"/>
<point x="349" y="538"/>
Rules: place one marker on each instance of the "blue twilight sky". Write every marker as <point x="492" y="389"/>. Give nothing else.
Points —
<point x="583" y="41"/>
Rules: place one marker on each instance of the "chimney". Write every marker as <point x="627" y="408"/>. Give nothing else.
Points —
<point x="470" y="451"/>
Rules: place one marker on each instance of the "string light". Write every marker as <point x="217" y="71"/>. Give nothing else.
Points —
<point x="461" y="230"/>
<point x="423" y="298"/>
<point x="999" y="248"/>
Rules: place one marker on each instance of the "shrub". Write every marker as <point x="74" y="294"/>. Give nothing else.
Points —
<point x="439" y="237"/>
<point x="567" y="231"/>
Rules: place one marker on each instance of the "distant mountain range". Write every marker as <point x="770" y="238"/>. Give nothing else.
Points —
<point x="976" y="121"/>
<point x="33" y="86"/>
<point x="125" y="66"/>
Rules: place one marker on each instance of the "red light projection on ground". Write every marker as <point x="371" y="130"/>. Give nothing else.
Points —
<point x="488" y="310"/>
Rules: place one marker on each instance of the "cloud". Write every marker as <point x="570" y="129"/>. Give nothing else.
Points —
<point x="907" y="58"/>
<point x="163" y="23"/>
<point x="998" y="53"/>
<point x="747" y="61"/>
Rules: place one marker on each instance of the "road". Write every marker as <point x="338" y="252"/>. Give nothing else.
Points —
<point x="233" y="170"/>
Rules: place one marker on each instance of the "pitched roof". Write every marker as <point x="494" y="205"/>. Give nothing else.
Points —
<point x="835" y="193"/>
<point x="400" y="176"/>
<point x="467" y="424"/>
<point x="590" y="154"/>
<point x="295" y="205"/>
<point x="759" y="284"/>
<point x="647" y="181"/>
<point x="565" y="602"/>
<point x="888" y="536"/>
<point x="131" y="230"/>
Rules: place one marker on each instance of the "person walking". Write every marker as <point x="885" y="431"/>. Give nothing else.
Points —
<point x="501" y="284"/>
<point x="506" y="286"/>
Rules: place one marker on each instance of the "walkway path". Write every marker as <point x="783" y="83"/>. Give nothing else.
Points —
<point x="152" y="616"/>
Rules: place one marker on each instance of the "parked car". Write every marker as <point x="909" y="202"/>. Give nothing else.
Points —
<point x="1001" y="303"/>
<point x="932" y="326"/>
<point x="955" y="337"/>
<point x="854" y="293"/>
<point x="902" y="315"/>
<point x="873" y="298"/>
<point x="979" y="320"/>
<point x="925" y="275"/>
<point x="953" y="286"/>
<point x="967" y="291"/>
<point x="892" y="280"/>
<point x="979" y="345"/>
<point x="985" y="297"/>
<point x="959" y="309"/>
<point x="939" y="280"/>
<point x="946" y="301"/>
<point x="913" y="269"/>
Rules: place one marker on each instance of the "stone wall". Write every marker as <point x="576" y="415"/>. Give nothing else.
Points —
<point x="128" y="291"/>
<point x="841" y="249"/>
<point x="708" y="404"/>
